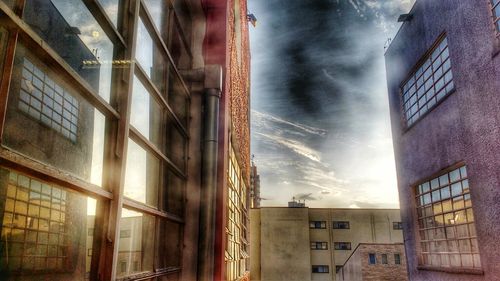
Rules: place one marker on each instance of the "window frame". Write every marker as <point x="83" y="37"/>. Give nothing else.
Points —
<point x="370" y="261"/>
<point x="314" y="224"/>
<point x="320" y="269"/>
<point x="341" y="225"/>
<point x="342" y="246"/>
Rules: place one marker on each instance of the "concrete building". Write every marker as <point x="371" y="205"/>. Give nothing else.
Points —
<point x="442" y="75"/>
<point x="124" y="140"/>
<point x="254" y="187"/>
<point x="300" y="243"/>
<point x="375" y="262"/>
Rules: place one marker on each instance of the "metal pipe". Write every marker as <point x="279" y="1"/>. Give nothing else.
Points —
<point x="210" y="142"/>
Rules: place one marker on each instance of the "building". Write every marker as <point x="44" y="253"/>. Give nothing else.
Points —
<point x="442" y="70"/>
<point x="300" y="243"/>
<point x="254" y="187"/>
<point x="124" y="140"/>
<point x="375" y="262"/>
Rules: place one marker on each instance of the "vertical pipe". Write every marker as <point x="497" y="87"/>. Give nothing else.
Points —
<point x="213" y="85"/>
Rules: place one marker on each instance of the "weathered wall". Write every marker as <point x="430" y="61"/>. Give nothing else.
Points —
<point x="464" y="127"/>
<point x="255" y="240"/>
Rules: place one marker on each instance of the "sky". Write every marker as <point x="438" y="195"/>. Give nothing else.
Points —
<point x="320" y="117"/>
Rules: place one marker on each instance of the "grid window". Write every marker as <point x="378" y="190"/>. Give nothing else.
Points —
<point x="397" y="259"/>
<point x="342" y="245"/>
<point x="495" y="8"/>
<point x="372" y="259"/>
<point x="341" y="225"/>
<point x="446" y="221"/>
<point x="319" y="245"/>
<point x="317" y="224"/>
<point x="429" y="84"/>
<point x="320" y="269"/>
<point x="397" y="225"/>
<point x="384" y="259"/>
<point x="46" y="101"/>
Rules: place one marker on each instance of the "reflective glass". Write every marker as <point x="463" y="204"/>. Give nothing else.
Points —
<point x="73" y="32"/>
<point x="170" y="243"/>
<point x="44" y="228"/>
<point x="48" y="120"/>
<point x="136" y="249"/>
<point x="175" y="193"/>
<point x="141" y="175"/>
<point x="111" y="7"/>
<point x="177" y="97"/>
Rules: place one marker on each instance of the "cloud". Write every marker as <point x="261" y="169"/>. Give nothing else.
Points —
<point x="296" y="146"/>
<point x="266" y="118"/>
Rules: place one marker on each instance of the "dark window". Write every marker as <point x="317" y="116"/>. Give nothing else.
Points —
<point x="397" y="259"/>
<point x="341" y="225"/>
<point x="320" y="269"/>
<point x="384" y="258"/>
<point x="338" y="268"/>
<point x="397" y="225"/>
<point x="319" y="245"/>
<point x="342" y="245"/>
<point x="317" y="224"/>
<point x="372" y="259"/>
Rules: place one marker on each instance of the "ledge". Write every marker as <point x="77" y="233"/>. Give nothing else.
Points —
<point x="454" y="270"/>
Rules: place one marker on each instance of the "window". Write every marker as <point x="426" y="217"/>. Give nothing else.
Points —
<point x="320" y="269"/>
<point x="341" y="225"/>
<point x="397" y="225"/>
<point x="372" y="259"/>
<point x="495" y="8"/>
<point x="342" y="245"/>
<point x="338" y="268"/>
<point x="317" y="224"/>
<point x="446" y="221"/>
<point x="319" y="245"/>
<point x="429" y="84"/>
<point x="397" y="259"/>
<point x="384" y="258"/>
<point x="125" y="233"/>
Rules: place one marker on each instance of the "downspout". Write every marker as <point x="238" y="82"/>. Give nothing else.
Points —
<point x="206" y="246"/>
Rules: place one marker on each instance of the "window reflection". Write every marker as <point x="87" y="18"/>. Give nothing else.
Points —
<point x="141" y="175"/>
<point x="135" y="251"/>
<point x="177" y="97"/>
<point x="158" y="9"/>
<point x="71" y="30"/>
<point x="48" y="120"/>
<point x="42" y="229"/>
<point x="111" y="8"/>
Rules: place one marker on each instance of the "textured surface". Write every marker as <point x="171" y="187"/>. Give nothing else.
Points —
<point x="465" y="126"/>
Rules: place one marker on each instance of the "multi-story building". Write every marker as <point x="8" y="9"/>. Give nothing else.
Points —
<point x="254" y="187"/>
<point x="124" y="139"/>
<point x="300" y="243"/>
<point x="442" y="72"/>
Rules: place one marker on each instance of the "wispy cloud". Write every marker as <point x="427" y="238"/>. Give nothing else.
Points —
<point x="296" y="146"/>
<point x="266" y="117"/>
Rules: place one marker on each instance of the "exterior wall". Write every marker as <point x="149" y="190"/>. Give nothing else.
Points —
<point x="270" y="240"/>
<point x="358" y="267"/>
<point x="464" y="127"/>
<point x="287" y="257"/>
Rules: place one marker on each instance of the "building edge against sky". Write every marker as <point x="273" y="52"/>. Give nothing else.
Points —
<point x="132" y="118"/>
<point x="442" y="72"/>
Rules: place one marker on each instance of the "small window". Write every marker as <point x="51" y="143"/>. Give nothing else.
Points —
<point x="319" y="245"/>
<point x="338" y="268"/>
<point x="123" y="266"/>
<point x="317" y="224"/>
<point x="125" y="233"/>
<point x="372" y="259"/>
<point x="320" y="269"/>
<point x="384" y="259"/>
<point x="397" y="259"/>
<point x="397" y="225"/>
<point x="341" y="225"/>
<point x="342" y="245"/>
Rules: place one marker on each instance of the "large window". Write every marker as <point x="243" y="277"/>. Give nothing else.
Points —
<point x="495" y="8"/>
<point x="446" y="221"/>
<point x="429" y="84"/>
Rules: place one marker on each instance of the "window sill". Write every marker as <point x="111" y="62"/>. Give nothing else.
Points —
<point x="455" y="270"/>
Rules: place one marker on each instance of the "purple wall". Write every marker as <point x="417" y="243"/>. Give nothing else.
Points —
<point x="465" y="126"/>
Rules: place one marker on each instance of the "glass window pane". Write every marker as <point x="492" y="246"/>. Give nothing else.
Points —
<point x="32" y="245"/>
<point x="146" y="114"/>
<point x="48" y="120"/>
<point x="177" y="97"/>
<point x="141" y="175"/>
<point x="158" y="9"/>
<point x="178" y="48"/>
<point x="84" y="46"/>
<point x="176" y="146"/>
<point x="136" y="250"/>
<point x="175" y="189"/>
<point x="111" y="7"/>
<point x="170" y="240"/>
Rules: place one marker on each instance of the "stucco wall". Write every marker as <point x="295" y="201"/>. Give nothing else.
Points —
<point x="465" y="126"/>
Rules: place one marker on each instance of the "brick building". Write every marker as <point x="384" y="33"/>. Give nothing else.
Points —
<point x="124" y="140"/>
<point x="442" y="73"/>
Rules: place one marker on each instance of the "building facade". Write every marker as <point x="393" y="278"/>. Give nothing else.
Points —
<point x="254" y="187"/>
<point x="442" y="71"/>
<point x="120" y="121"/>
<point x="375" y="262"/>
<point x="300" y="243"/>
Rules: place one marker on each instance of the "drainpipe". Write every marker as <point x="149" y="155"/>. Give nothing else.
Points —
<point x="206" y="246"/>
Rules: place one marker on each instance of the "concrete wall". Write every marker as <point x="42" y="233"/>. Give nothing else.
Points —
<point x="465" y="126"/>
<point x="255" y="244"/>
